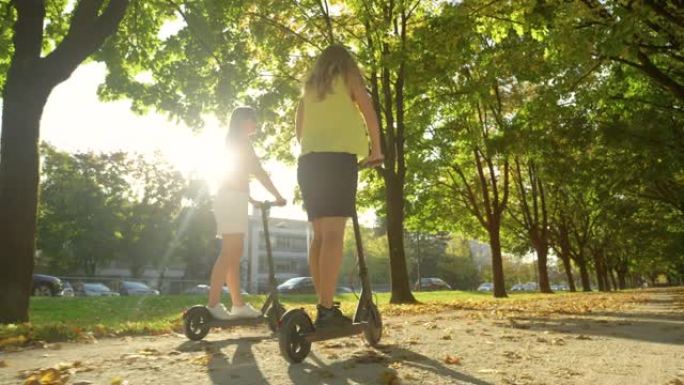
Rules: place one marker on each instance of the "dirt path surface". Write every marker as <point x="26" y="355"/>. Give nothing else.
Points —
<point x="640" y="345"/>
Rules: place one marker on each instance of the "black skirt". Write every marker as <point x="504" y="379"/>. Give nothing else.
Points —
<point x="328" y="182"/>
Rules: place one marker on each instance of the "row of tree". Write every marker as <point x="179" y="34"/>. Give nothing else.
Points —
<point x="544" y="124"/>
<point x="99" y="208"/>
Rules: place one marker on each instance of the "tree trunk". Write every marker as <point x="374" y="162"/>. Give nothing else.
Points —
<point x="542" y="257"/>
<point x="399" y="278"/>
<point x="599" y="276"/>
<point x="613" y="280"/>
<point x="497" y="262"/>
<point x="606" y="278"/>
<point x="601" y="273"/>
<point x="584" y="272"/>
<point x="23" y="101"/>
<point x="567" y="266"/>
<point x="29" y="81"/>
<point x="622" y="279"/>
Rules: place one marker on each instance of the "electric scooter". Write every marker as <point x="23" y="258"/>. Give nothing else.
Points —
<point x="297" y="331"/>
<point x="198" y="321"/>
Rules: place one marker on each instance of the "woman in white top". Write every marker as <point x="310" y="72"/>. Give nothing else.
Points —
<point x="230" y="211"/>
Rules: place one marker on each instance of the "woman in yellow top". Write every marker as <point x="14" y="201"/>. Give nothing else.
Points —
<point x="335" y="119"/>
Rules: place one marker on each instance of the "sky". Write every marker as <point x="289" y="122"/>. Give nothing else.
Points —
<point x="75" y="120"/>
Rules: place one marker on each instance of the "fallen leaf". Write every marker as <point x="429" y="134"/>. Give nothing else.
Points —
<point x="447" y="337"/>
<point x="583" y="337"/>
<point x="410" y="376"/>
<point x="675" y="381"/>
<point x="119" y="381"/>
<point x="150" y="352"/>
<point x="202" y="360"/>
<point x="488" y="371"/>
<point x="3" y="364"/>
<point x="512" y="355"/>
<point x="452" y="360"/>
<point x="49" y="376"/>
<point x="368" y="357"/>
<point x="389" y="377"/>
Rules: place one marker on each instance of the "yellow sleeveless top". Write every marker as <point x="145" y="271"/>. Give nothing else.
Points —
<point x="333" y="124"/>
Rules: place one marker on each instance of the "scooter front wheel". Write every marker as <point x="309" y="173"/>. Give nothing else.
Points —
<point x="273" y="315"/>
<point x="293" y="346"/>
<point x="195" y="322"/>
<point x="373" y="330"/>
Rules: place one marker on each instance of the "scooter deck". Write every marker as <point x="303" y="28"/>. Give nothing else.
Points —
<point x="215" y="323"/>
<point x="332" y="333"/>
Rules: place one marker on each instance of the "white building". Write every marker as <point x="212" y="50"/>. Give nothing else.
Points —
<point x="290" y="243"/>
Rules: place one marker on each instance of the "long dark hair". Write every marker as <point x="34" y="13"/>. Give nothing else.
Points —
<point x="239" y="116"/>
<point x="334" y="61"/>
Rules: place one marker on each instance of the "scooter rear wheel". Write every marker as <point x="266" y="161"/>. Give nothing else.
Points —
<point x="195" y="323"/>
<point x="273" y="315"/>
<point x="293" y="346"/>
<point x="373" y="331"/>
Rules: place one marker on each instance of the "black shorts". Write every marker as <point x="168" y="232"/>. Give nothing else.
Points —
<point x="328" y="182"/>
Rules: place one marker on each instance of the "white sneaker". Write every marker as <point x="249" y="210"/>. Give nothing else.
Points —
<point x="246" y="311"/>
<point x="219" y="312"/>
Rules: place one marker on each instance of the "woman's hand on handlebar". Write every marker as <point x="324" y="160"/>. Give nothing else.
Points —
<point x="373" y="160"/>
<point x="280" y="201"/>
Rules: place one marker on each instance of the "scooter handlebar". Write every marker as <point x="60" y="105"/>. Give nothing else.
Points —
<point x="269" y="204"/>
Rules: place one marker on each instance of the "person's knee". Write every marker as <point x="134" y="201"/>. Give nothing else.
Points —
<point x="332" y="234"/>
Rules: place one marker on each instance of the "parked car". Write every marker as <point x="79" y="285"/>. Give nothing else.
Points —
<point x="487" y="286"/>
<point x="204" y="289"/>
<point x="136" y="288"/>
<point x="47" y="285"/>
<point x="96" y="290"/>
<point x="304" y="285"/>
<point x="560" y="287"/>
<point x="528" y="286"/>
<point x="297" y="285"/>
<point x="531" y="286"/>
<point x="518" y="287"/>
<point x="432" y="284"/>
<point x="68" y="290"/>
<point x="343" y="290"/>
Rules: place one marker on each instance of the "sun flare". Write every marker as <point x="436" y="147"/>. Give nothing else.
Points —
<point x="203" y="155"/>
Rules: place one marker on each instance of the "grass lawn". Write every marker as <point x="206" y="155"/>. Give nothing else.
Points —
<point x="60" y="319"/>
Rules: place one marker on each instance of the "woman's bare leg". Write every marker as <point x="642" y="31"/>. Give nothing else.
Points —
<point x="315" y="254"/>
<point x="227" y="270"/>
<point x="332" y="229"/>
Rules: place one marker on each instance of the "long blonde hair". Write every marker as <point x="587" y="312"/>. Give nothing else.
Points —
<point x="334" y="61"/>
<point x="239" y="116"/>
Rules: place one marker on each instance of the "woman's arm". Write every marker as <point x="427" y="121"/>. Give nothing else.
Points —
<point x="262" y="176"/>
<point x="363" y="100"/>
<point x="299" y="120"/>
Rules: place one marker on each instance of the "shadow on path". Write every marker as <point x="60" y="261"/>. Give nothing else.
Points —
<point x="371" y="367"/>
<point x="242" y="368"/>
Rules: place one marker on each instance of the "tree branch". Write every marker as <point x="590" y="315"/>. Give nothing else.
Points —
<point x="87" y="34"/>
